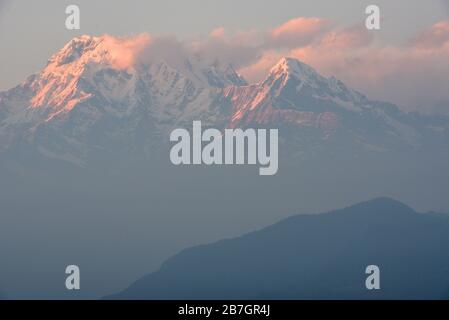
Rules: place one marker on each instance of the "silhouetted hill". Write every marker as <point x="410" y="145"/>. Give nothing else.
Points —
<point x="321" y="256"/>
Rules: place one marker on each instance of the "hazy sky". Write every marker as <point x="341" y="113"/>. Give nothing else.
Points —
<point x="30" y="31"/>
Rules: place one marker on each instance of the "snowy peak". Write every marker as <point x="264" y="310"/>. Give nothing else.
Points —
<point x="74" y="49"/>
<point x="294" y="94"/>
<point x="203" y="74"/>
<point x="57" y="85"/>
<point x="292" y="77"/>
<point x="112" y="67"/>
<point x="105" y="50"/>
<point x="293" y="67"/>
<point x="118" y="84"/>
<point x="138" y="53"/>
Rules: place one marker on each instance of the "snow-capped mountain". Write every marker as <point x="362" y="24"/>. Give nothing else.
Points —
<point x="294" y="92"/>
<point x="84" y="102"/>
<point x="295" y="95"/>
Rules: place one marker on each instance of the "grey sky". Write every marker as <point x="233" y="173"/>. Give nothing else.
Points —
<point x="30" y="31"/>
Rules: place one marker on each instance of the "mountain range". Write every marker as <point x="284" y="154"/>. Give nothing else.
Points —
<point x="81" y="107"/>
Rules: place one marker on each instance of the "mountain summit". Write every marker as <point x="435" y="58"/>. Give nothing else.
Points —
<point x="293" y="67"/>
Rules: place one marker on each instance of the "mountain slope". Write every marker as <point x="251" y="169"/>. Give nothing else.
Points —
<point x="314" y="256"/>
